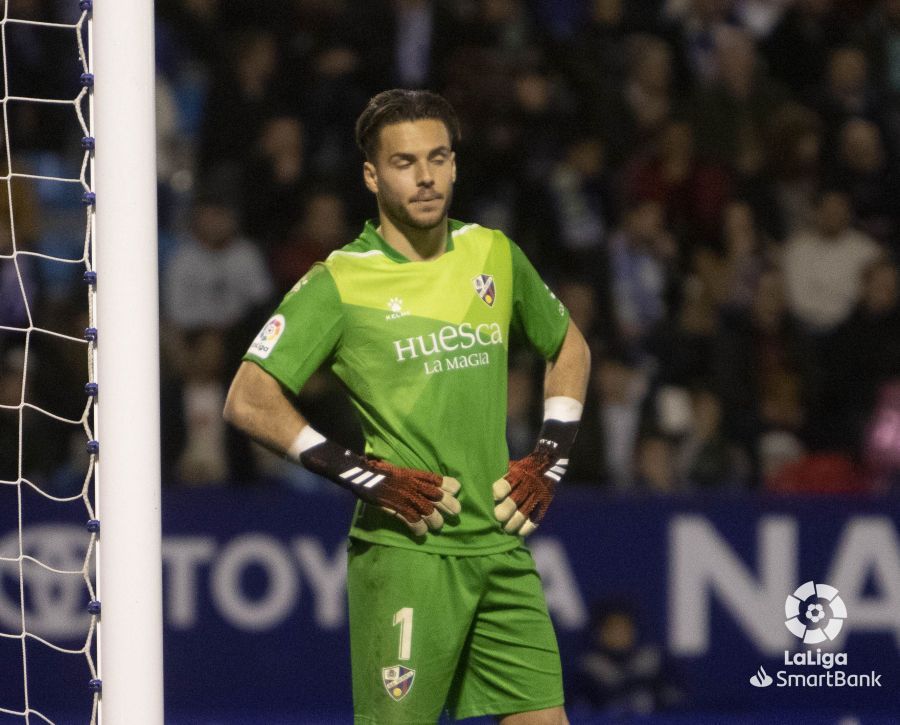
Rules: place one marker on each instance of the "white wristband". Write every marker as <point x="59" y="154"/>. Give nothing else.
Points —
<point x="306" y="439"/>
<point x="563" y="409"/>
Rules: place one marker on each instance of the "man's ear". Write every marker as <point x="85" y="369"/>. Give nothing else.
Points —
<point x="370" y="177"/>
<point x="453" y="166"/>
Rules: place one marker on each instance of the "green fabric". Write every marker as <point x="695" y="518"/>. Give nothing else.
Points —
<point x="423" y="356"/>
<point x="480" y="639"/>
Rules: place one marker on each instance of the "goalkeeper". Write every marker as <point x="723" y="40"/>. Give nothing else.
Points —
<point x="415" y="316"/>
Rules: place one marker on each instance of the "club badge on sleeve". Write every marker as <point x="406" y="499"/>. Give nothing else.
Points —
<point x="398" y="681"/>
<point x="484" y="286"/>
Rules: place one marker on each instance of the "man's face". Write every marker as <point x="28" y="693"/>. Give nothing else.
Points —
<point x="413" y="172"/>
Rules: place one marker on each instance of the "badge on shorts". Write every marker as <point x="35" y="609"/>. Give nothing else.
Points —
<point x="398" y="681"/>
<point x="484" y="286"/>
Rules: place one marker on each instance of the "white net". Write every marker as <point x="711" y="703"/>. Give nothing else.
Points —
<point x="47" y="569"/>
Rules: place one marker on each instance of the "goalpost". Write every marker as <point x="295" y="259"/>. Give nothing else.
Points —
<point x="117" y="182"/>
<point x="128" y="495"/>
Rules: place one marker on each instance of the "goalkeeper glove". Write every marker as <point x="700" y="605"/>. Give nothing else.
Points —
<point x="420" y="499"/>
<point x="524" y="493"/>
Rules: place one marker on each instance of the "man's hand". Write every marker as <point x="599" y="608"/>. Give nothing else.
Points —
<point x="525" y="492"/>
<point x="420" y="499"/>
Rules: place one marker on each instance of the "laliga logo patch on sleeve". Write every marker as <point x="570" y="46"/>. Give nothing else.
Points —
<point x="267" y="338"/>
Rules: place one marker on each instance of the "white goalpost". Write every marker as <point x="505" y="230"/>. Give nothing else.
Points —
<point x="64" y="601"/>
<point x="128" y="494"/>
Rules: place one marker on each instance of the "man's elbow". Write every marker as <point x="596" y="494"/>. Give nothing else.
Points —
<point x="236" y="412"/>
<point x="581" y="349"/>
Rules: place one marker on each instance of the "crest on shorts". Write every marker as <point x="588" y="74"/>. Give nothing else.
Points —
<point x="398" y="681"/>
<point x="484" y="286"/>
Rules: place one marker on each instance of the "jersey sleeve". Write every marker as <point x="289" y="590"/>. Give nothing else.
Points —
<point x="303" y="333"/>
<point x="537" y="313"/>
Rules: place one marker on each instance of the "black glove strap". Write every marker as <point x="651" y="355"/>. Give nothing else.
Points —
<point x="558" y="437"/>
<point x="333" y="461"/>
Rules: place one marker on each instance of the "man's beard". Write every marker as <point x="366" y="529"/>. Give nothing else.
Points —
<point x="399" y="214"/>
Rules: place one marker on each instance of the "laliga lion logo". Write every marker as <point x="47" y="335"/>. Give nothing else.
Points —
<point x="55" y="603"/>
<point x="805" y="610"/>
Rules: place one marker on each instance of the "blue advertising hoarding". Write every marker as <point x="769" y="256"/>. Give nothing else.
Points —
<point x="255" y="610"/>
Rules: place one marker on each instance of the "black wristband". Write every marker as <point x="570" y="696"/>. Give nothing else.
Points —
<point x="332" y="461"/>
<point x="558" y="436"/>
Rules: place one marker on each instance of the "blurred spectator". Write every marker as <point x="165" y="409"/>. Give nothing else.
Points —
<point x="620" y="672"/>
<point x="216" y="278"/>
<point x="797" y="49"/>
<point x="274" y="179"/>
<point x="795" y="138"/>
<point x="737" y="103"/>
<point x="580" y="197"/>
<point x="706" y="458"/>
<point x="698" y="23"/>
<point x="823" y="265"/>
<point x="243" y="93"/>
<point x="682" y="346"/>
<point x="521" y="398"/>
<point x="742" y="259"/>
<point x="643" y="103"/>
<point x="847" y="91"/>
<point x="580" y="298"/>
<point x="862" y="355"/>
<point x="198" y="447"/>
<point x="656" y="467"/>
<point x="204" y="456"/>
<point x="826" y="472"/>
<point x="761" y="365"/>
<point x="20" y="292"/>
<point x="882" y="444"/>
<point x="420" y="28"/>
<point x="691" y="190"/>
<point x="605" y="447"/>
<point x="596" y="57"/>
<point x="44" y="445"/>
<point x="659" y="161"/>
<point x="641" y="255"/>
<point x="322" y="228"/>
<point x="882" y="40"/>
<point x="863" y="171"/>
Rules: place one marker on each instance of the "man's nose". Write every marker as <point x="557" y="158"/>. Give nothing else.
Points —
<point x="424" y="176"/>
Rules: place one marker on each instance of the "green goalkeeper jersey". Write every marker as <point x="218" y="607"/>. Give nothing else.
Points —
<point x="421" y="348"/>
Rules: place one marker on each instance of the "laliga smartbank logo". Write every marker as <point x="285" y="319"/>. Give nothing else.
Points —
<point x="806" y="616"/>
<point x="815" y="613"/>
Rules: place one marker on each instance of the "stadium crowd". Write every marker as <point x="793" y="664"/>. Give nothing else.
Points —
<point x="709" y="185"/>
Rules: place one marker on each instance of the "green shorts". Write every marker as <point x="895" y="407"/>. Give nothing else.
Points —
<point x="467" y="633"/>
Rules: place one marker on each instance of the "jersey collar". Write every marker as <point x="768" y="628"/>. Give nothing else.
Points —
<point x="373" y="240"/>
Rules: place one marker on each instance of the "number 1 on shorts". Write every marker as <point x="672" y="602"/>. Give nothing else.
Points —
<point x="404" y="617"/>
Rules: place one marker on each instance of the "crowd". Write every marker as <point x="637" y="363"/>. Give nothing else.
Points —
<point x="709" y="185"/>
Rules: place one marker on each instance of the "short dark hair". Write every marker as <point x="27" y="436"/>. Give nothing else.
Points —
<point x="398" y="105"/>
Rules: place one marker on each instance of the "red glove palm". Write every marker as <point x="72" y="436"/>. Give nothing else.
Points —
<point x="417" y="498"/>
<point x="525" y="492"/>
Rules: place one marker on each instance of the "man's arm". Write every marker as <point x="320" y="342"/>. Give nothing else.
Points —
<point x="567" y="375"/>
<point x="524" y="493"/>
<point x="258" y="406"/>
